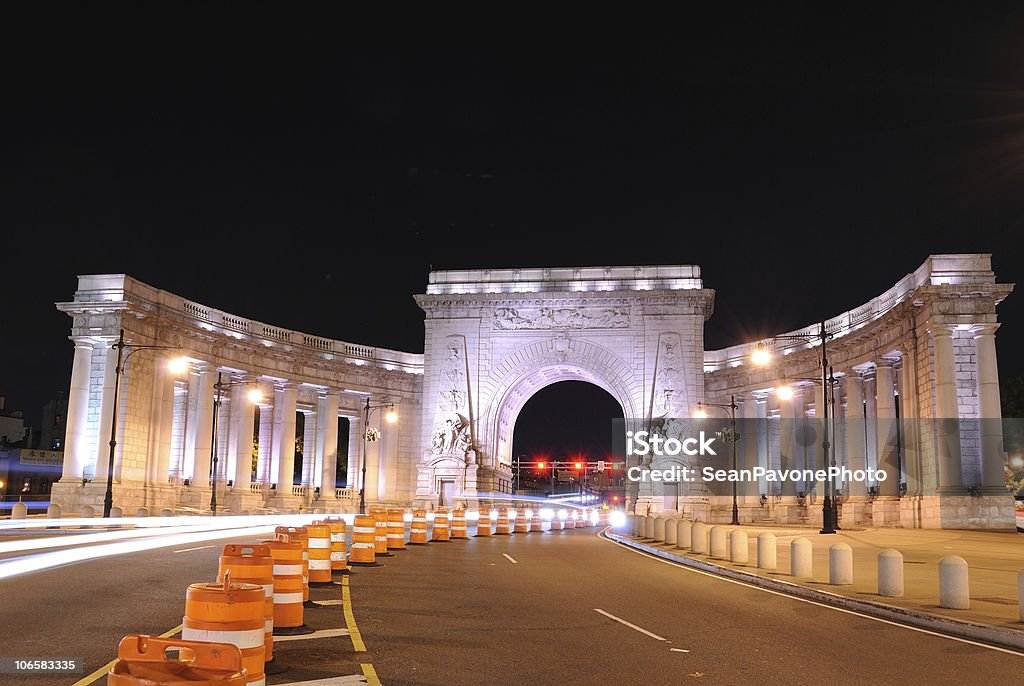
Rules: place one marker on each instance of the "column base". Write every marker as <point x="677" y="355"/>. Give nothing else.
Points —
<point x="857" y="510"/>
<point x="982" y="512"/>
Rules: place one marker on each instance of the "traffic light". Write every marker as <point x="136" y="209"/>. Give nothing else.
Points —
<point x="540" y="465"/>
<point x="579" y="465"/>
<point x="615" y="498"/>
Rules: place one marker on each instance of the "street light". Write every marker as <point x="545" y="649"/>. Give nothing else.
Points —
<point x="761" y="356"/>
<point x="122" y="361"/>
<point x="729" y="436"/>
<point x="369" y="435"/>
<point x="255" y="395"/>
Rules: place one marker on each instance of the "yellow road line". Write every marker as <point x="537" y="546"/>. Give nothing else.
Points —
<point x="371" y="674"/>
<point x="102" y="671"/>
<point x="350" y="620"/>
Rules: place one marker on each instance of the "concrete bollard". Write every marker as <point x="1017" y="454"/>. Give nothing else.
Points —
<point x="699" y="537"/>
<point x="659" y="529"/>
<point x="840" y="564"/>
<point x="1020" y="592"/>
<point x="53" y="511"/>
<point x="684" y="534"/>
<point x="801" y="564"/>
<point x="766" y="551"/>
<point x="738" y="549"/>
<point x="649" y="526"/>
<point x="116" y="512"/>
<point x="718" y="537"/>
<point x="88" y="511"/>
<point x="671" y="532"/>
<point x="954" y="590"/>
<point x="142" y="512"/>
<point x="167" y="512"/>
<point x="19" y="511"/>
<point x="890" y="573"/>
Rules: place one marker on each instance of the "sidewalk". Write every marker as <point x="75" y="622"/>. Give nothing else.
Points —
<point x="993" y="559"/>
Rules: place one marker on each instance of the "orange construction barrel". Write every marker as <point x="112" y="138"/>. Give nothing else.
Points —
<point x="441" y="525"/>
<point x="288" y="613"/>
<point x="418" y="530"/>
<point x="483" y="522"/>
<point x="253" y="564"/>
<point x="522" y="523"/>
<point x="458" y="525"/>
<point x="380" y="538"/>
<point x="299" y="534"/>
<point x="504" y="526"/>
<point x="146" y="660"/>
<point x="536" y="522"/>
<point x="396" y="529"/>
<point x="226" y="612"/>
<point x="364" y="530"/>
<point x="339" y="546"/>
<point x="603" y="515"/>
<point x="319" y="554"/>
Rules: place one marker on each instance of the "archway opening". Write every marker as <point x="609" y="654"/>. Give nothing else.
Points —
<point x="563" y="442"/>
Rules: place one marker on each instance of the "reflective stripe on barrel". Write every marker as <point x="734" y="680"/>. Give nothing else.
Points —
<point x="522" y="524"/>
<point x="319" y="553"/>
<point x="253" y="564"/>
<point x="441" y="521"/>
<point x="536" y="522"/>
<point x="287" y="582"/>
<point x="229" y="613"/>
<point x="458" y="526"/>
<point x="396" y="529"/>
<point x="363" y="533"/>
<point x="418" y="530"/>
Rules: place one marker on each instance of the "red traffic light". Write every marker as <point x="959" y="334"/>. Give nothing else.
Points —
<point x="540" y="465"/>
<point x="615" y="498"/>
<point x="579" y="465"/>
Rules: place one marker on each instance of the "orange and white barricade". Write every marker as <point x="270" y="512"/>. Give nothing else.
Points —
<point x="253" y="564"/>
<point x="483" y="522"/>
<point x="319" y="554"/>
<point x="418" y="530"/>
<point x="396" y="529"/>
<point x="458" y="526"/>
<point x="339" y="544"/>
<point x="442" y="523"/>
<point x="226" y="612"/>
<point x="364" y="531"/>
<point x="504" y="525"/>
<point x="380" y="538"/>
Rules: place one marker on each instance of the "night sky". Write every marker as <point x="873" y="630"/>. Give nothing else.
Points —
<point x="310" y="171"/>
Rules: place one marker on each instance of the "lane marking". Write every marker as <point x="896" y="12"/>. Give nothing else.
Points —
<point x="510" y="558"/>
<point x="331" y="681"/>
<point x="350" y="620"/>
<point x="812" y="602"/>
<point x="371" y="674"/>
<point x="322" y="633"/>
<point x="188" y="550"/>
<point x="620" y="620"/>
<point x="677" y="650"/>
<point x="322" y="603"/>
<point x="102" y="671"/>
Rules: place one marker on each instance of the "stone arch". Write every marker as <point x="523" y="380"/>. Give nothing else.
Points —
<point x="539" y="364"/>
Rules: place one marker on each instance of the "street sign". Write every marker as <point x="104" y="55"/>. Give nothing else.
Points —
<point x="600" y="465"/>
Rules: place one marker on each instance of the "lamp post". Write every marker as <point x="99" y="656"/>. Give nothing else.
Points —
<point x="122" y="361"/>
<point x="828" y="511"/>
<point x="255" y="396"/>
<point x="369" y="436"/>
<point x="729" y="436"/>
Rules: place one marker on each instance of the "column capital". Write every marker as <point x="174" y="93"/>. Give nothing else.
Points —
<point x="884" y="362"/>
<point x="984" y="329"/>
<point x="944" y="330"/>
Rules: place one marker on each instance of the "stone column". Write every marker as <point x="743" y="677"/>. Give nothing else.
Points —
<point x="285" y="398"/>
<point x="762" y="440"/>
<point x="106" y="412"/>
<point x="870" y="418"/>
<point x="855" y="453"/>
<point x="371" y="456"/>
<point x="885" y="408"/>
<point x="787" y="443"/>
<point x="327" y="442"/>
<point x="243" y="416"/>
<point x="163" y="393"/>
<point x="946" y="410"/>
<point x="749" y="438"/>
<point x="77" y="456"/>
<point x="203" y="437"/>
<point x="910" y="422"/>
<point x="993" y="462"/>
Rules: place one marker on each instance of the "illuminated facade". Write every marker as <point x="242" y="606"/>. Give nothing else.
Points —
<point x="495" y="337"/>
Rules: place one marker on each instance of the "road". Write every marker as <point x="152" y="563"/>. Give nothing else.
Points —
<point x="553" y="608"/>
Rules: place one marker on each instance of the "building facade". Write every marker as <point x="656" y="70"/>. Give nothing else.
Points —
<point x="917" y="363"/>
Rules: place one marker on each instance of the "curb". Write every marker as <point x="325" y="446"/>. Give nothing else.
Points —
<point x="986" y="633"/>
